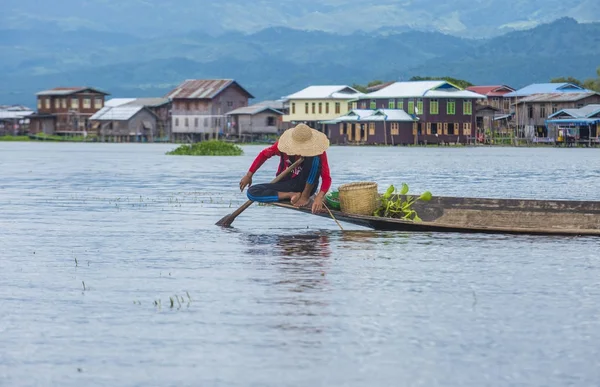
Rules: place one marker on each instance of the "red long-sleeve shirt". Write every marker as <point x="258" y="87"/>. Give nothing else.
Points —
<point x="271" y="151"/>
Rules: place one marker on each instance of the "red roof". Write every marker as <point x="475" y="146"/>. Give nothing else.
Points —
<point x="203" y="88"/>
<point x="491" y="91"/>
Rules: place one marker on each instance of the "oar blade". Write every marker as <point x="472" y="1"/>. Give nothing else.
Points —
<point x="226" y="221"/>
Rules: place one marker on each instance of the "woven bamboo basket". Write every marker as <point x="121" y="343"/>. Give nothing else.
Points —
<point x="358" y="198"/>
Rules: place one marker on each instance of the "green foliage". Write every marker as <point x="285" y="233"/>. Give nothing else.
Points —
<point x="374" y="83"/>
<point x="208" y="148"/>
<point x="572" y="80"/>
<point x="14" y="138"/>
<point x="456" y="82"/>
<point x="361" y="88"/>
<point x="590" y="84"/>
<point x="396" y="204"/>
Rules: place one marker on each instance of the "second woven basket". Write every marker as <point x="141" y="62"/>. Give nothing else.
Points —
<point x="359" y="198"/>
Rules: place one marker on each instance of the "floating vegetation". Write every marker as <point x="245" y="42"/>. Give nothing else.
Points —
<point x="15" y="138"/>
<point x="396" y="204"/>
<point x="208" y="148"/>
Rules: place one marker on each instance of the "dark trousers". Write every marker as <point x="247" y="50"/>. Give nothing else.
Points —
<point x="267" y="193"/>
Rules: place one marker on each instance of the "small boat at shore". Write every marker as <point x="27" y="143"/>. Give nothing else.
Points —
<point x="483" y="215"/>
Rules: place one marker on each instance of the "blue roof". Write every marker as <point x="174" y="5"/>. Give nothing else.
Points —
<point x="584" y="112"/>
<point x="539" y="88"/>
<point x="581" y="121"/>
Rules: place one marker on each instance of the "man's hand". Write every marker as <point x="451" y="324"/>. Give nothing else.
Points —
<point x="246" y="181"/>
<point x="317" y="204"/>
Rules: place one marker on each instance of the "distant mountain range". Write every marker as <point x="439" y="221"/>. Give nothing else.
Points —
<point x="277" y="61"/>
<point x="154" y="18"/>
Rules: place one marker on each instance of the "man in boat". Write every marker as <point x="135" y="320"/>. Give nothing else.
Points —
<point x="301" y="184"/>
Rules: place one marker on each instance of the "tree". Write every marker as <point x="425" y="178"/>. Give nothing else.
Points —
<point x="361" y="88"/>
<point x="374" y="83"/>
<point x="590" y="84"/>
<point x="572" y="80"/>
<point x="457" y="82"/>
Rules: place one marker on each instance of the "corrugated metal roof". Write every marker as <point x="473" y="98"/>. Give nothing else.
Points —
<point x="8" y="114"/>
<point x="423" y="89"/>
<point x="148" y="102"/>
<point x="60" y="91"/>
<point x="491" y="91"/>
<point x="277" y="104"/>
<point x="540" y="88"/>
<point x="586" y="111"/>
<point x="202" y="88"/>
<point x="116" y="113"/>
<point x="114" y="102"/>
<point x="252" y="110"/>
<point x="326" y="92"/>
<point x="366" y="115"/>
<point x="557" y="97"/>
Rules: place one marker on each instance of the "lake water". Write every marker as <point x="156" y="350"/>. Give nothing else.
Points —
<point x="96" y="239"/>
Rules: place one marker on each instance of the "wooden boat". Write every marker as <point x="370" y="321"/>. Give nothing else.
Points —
<point x="481" y="215"/>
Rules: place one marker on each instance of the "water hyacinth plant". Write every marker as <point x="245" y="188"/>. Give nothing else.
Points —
<point x="394" y="206"/>
<point x="208" y="148"/>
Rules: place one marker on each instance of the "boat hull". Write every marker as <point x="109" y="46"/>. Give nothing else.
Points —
<point x="482" y="215"/>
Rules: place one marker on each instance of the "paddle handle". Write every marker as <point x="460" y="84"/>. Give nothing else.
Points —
<point x="275" y="180"/>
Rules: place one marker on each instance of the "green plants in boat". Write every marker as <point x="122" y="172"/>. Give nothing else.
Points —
<point x="396" y="204"/>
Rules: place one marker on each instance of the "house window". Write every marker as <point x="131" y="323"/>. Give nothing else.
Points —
<point x="39" y="103"/>
<point x="74" y="103"/>
<point x="206" y="122"/>
<point x="530" y="111"/>
<point x="230" y="103"/>
<point x="337" y="108"/>
<point x="371" y="128"/>
<point x="313" y="107"/>
<point x="57" y="103"/>
<point x="411" y="107"/>
<point x="554" y="108"/>
<point x="363" y="105"/>
<point x="451" y="107"/>
<point x="326" y="107"/>
<point x="395" y="129"/>
<point x="391" y="104"/>
<point x="434" y="106"/>
<point x="543" y="111"/>
<point x="354" y="105"/>
<point x="293" y="108"/>
<point x="87" y="103"/>
<point x="176" y="121"/>
<point x="270" y="121"/>
<point x="466" y="129"/>
<point x="47" y="103"/>
<point x="496" y="102"/>
<point x="320" y="108"/>
<point x="434" y="128"/>
<point x="196" y="122"/>
<point x="63" y="103"/>
<point x="420" y="106"/>
<point x="306" y="107"/>
<point x="506" y="103"/>
<point x="400" y="104"/>
<point x="467" y="107"/>
<point x="373" y="104"/>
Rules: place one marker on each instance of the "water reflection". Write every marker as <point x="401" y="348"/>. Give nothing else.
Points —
<point x="298" y="287"/>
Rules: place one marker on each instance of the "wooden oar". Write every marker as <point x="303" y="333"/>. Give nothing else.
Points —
<point x="228" y="219"/>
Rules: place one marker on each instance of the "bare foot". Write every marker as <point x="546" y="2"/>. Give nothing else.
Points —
<point x="295" y="197"/>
